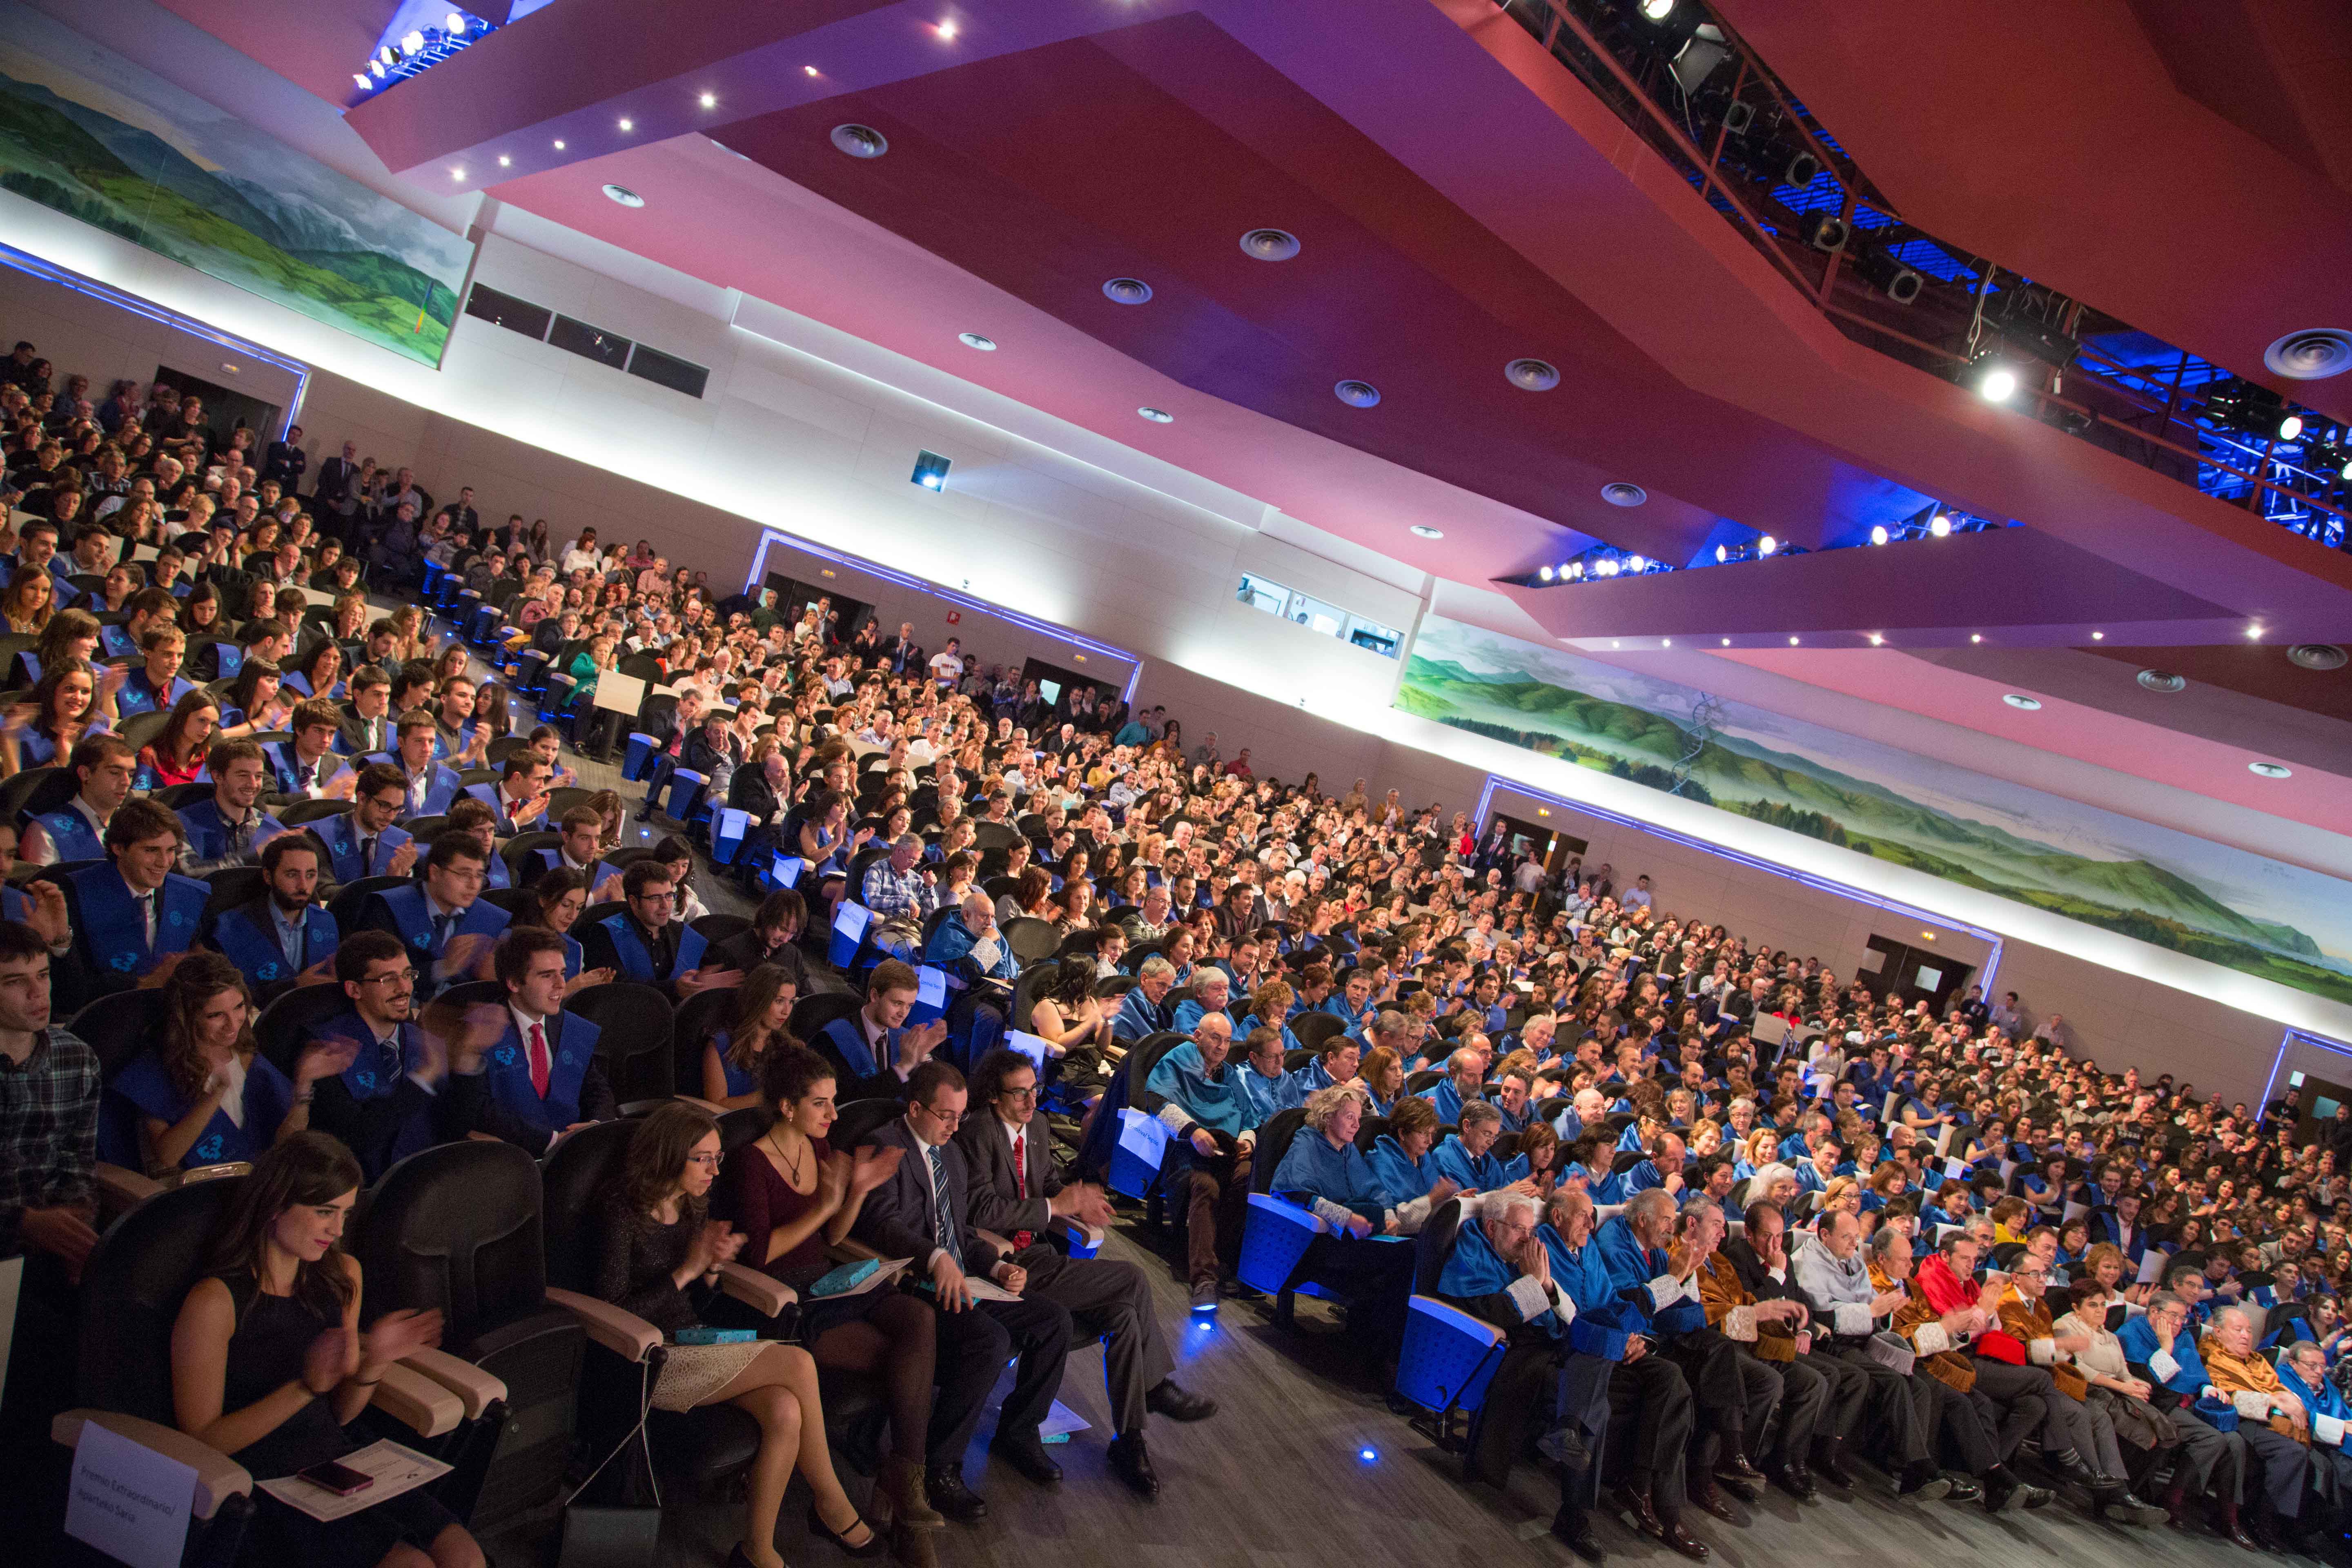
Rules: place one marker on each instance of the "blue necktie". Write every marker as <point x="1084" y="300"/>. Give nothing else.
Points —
<point x="443" y="925"/>
<point x="943" y="1228"/>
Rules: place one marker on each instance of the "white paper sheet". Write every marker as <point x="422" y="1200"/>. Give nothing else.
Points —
<point x="397" y="1470"/>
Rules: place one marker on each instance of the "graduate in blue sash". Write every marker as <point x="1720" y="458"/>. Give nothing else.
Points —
<point x="875" y="1047"/>
<point x="430" y="786"/>
<point x="204" y="1095"/>
<point x="63" y="709"/>
<point x="1199" y="1096"/>
<point x="229" y="828"/>
<point x="540" y="1076"/>
<point x="644" y="943"/>
<point x="107" y="766"/>
<point x="1468" y="1157"/>
<point x="305" y="763"/>
<point x="1325" y="1172"/>
<point x="396" y="1097"/>
<point x="366" y="840"/>
<point x="156" y="685"/>
<point x="273" y="938"/>
<point x="468" y="815"/>
<point x="1400" y="1156"/>
<point x="517" y="802"/>
<point x="130" y="911"/>
<point x="446" y="924"/>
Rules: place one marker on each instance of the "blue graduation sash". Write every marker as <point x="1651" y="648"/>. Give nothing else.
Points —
<point x="376" y="1071"/>
<point x="413" y="918"/>
<point x="637" y="960"/>
<point x="147" y="1087"/>
<point x="208" y="834"/>
<point x="70" y="833"/>
<point x="139" y="695"/>
<point x="248" y="935"/>
<point x="571" y="1043"/>
<point x="114" y="933"/>
<point x="849" y="1039"/>
<point x="342" y="836"/>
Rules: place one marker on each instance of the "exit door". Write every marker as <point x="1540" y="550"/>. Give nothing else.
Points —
<point x="1911" y="974"/>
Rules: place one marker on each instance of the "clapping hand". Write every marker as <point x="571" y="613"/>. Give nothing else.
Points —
<point x="398" y="1334"/>
<point x="47" y="915"/>
<point x="872" y="1166"/>
<point x="323" y="1059"/>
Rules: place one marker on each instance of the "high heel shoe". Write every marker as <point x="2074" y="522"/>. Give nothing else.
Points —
<point x="873" y="1546"/>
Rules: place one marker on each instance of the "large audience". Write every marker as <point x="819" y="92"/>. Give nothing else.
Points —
<point x="1735" y="1222"/>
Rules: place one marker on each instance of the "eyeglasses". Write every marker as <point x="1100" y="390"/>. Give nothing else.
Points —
<point x="395" y="977"/>
<point x="1029" y="1094"/>
<point x="944" y="1118"/>
<point x="703" y="1158"/>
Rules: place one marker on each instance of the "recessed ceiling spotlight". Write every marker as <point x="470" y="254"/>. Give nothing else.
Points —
<point x="628" y="124"/>
<point x="505" y="161"/>
<point x="1423" y="531"/>
<point x="1127" y="291"/>
<point x="1357" y="394"/>
<point x="2018" y="700"/>
<point x="626" y="197"/>
<point x="1618" y="492"/>
<point x="457" y="174"/>
<point x="860" y="141"/>
<point x="2161" y="680"/>
<point x="1269" y="244"/>
<point x="1767" y="545"/>
<point x="2270" y="770"/>
<point x="1615" y="643"/>
<point x="946" y="30"/>
<point x="1544" y="572"/>
<point x="1876" y="639"/>
<point x="558" y="145"/>
<point x="2099" y="637"/>
<point x="2255" y="630"/>
<point x="1792" y="642"/>
<point x="1940" y="526"/>
<point x="2312" y="355"/>
<point x="1976" y="637"/>
<point x="1878" y="534"/>
<point x="2318" y="655"/>
<point x="709" y="101"/>
<point x="1665" y="642"/>
<point x="1726" y="642"/>
<point x="975" y="341"/>
<point x="811" y="69"/>
<point x="1532" y="375"/>
<point x="1158" y="415"/>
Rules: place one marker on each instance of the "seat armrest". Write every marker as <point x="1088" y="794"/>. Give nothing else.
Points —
<point x="121" y="1189"/>
<point x="475" y="1389"/>
<point x="701" y="1104"/>
<point x="763" y="1293"/>
<point x="626" y="1334"/>
<point x="849" y="1249"/>
<point x="1002" y="1244"/>
<point x="418" y="1403"/>
<point x="1078" y="1230"/>
<point x="219" y="1476"/>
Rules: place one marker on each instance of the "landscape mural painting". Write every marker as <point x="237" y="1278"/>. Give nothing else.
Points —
<point x="89" y="134"/>
<point x="2209" y="900"/>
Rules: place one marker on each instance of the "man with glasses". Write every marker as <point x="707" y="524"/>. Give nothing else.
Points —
<point x="2078" y="1437"/>
<point x="390" y="1102"/>
<point x="646" y="944"/>
<point x="446" y="924"/>
<point x="365" y="841"/>
<point x="2160" y="1347"/>
<point x="540" y="1078"/>
<point x="919" y="1212"/>
<point x="1016" y="1193"/>
<point x="107" y="766"/>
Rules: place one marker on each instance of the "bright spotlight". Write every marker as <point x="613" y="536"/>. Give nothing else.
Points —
<point x="1368" y="1455"/>
<point x="1878" y="534"/>
<point x="2290" y="428"/>
<point x="1575" y="569"/>
<point x="412" y="43"/>
<point x="709" y="100"/>
<point x="1939" y="525"/>
<point x="1544" y="572"/>
<point x="1767" y="545"/>
<point x="1635" y="563"/>
<point x="1657" y="10"/>
<point x="455" y="23"/>
<point x="1721" y="555"/>
<point x="1607" y="568"/>
<point x="365" y="80"/>
<point x="1998" y="384"/>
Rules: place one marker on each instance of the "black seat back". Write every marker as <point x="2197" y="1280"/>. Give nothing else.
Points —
<point x="571" y="1183"/>
<point x="1033" y="940"/>
<point x="283" y="1022"/>
<point x="1435" y="1245"/>
<point x="456" y="1228"/>
<point x="634" y="1028"/>
<point x="119" y="1027"/>
<point x="1274" y="1142"/>
<point x="1314" y="1028"/>
<point x="137" y="1277"/>
<point x="704" y="1014"/>
<point x="860" y="1119"/>
<point x="716" y="928"/>
<point x="812" y="1014"/>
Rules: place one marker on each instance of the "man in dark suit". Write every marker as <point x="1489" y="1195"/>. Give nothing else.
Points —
<point x="367" y="725"/>
<point x="1016" y="1194"/>
<point x="338" y="480"/>
<point x="131" y="915"/>
<point x="918" y="1214"/>
<point x="541" y="1076"/>
<point x="444" y="921"/>
<point x="365" y="841"/>
<point x="284" y="460"/>
<point x="904" y="652"/>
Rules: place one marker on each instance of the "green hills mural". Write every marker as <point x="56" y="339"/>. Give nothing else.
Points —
<point x="88" y="133"/>
<point x="2260" y="916"/>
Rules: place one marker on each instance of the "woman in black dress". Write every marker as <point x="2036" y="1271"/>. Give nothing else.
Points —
<point x="656" y="1253"/>
<point x="268" y="1363"/>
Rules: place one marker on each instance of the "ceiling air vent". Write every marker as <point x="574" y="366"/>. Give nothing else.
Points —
<point x="1622" y="494"/>
<point x="2312" y="355"/>
<point x="1357" y="394"/>
<point x="2318" y="655"/>
<point x="2161" y="680"/>
<point x="1532" y="375"/>
<point x="1270" y="244"/>
<point x="860" y="141"/>
<point x="1127" y="291"/>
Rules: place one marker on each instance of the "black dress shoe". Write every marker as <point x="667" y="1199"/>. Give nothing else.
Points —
<point x="1829" y="1463"/>
<point x="1637" y="1507"/>
<point x="1709" y="1499"/>
<point x="1683" y="1542"/>
<point x="1737" y="1468"/>
<point x="1797" y="1482"/>
<point x="1737" y="1485"/>
<point x="1166" y="1399"/>
<point x="1964" y="1489"/>
<point x="1574" y="1531"/>
<point x="1130" y="1463"/>
<point x="943" y="1485"/>
<point x="1028" y="1456"/>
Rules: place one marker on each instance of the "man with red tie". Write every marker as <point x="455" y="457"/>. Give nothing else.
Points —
<point x="541" y="1078"/>
<point x="1016" y="1192"/>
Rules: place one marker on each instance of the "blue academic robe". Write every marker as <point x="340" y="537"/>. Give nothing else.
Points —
<point x="1473" y="1269"/>
<point x="248" y="935"/>
<point x="1312" y="1169"/>
<point x="1630" y="1268"/>
<point x="140" y="694"/>
<point x="1249" y="1025"/>
<point x="953" y="941"/>
<point x="114" y="939"/>
<point x="1189" y="1014"/>
<point x="1477" y="1173"/>
<point x="341" y="835"/>
<point x="412" y="916"/>
<point x="70" y="832"/>
<point x="1138" y="1017"/>
<point x="1582" y="1276"/>
<point x="1448" y="1100"/>
<point x="208" y="832"/>
<point x="1401" y="1179"/>
<point x="2139" y="1343"/>
<point x="36" y="750"/>
<point x="144" y="1088"/>
<point x="443" y="788"/>
<point x="572" y="1045"/>
<point x="1337" y="1006"/>
<point x="1272" y="1095"/>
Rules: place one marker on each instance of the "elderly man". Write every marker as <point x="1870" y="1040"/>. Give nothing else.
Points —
<point x="1466" y="1157"/>
<point x="1199" y="1096"/>
<point x="2274" y="1422"/>
<point x="1942" y="1316"/>
<point x="1746" y="1290"/>
<point x="1212" y="992"/>
<point x="902" y="894"/>
<point x="1462" y="1085"/>
<point x="1144" y="1010"/>
<point x="1653" y="1261"/>
<point x="1902" y="1410"/>
<point x="2160" y="1347"/>
<point x="2302" y="1373"/>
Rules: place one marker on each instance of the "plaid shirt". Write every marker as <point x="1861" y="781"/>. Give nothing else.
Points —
<point x="48" y="1128"/>
<point x="894" y="897"/>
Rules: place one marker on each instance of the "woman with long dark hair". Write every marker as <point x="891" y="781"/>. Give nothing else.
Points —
<point x="731" y="1056"/>
<point x="658" y="1255"/>
<point x="269" y="1363"/>
<point x="60" y="711"/>
<point x="176" y="755"/>
<point x="791" y="1193"/>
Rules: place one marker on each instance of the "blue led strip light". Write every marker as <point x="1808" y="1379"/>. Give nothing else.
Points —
<point x="1984" y="977"/>
<point x="859" y="563"/>
<point x="49" y="272"/>
<point x="2293" y="1037"/>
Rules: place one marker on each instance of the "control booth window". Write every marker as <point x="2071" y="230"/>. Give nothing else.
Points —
<point x="1319" y="615"/>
